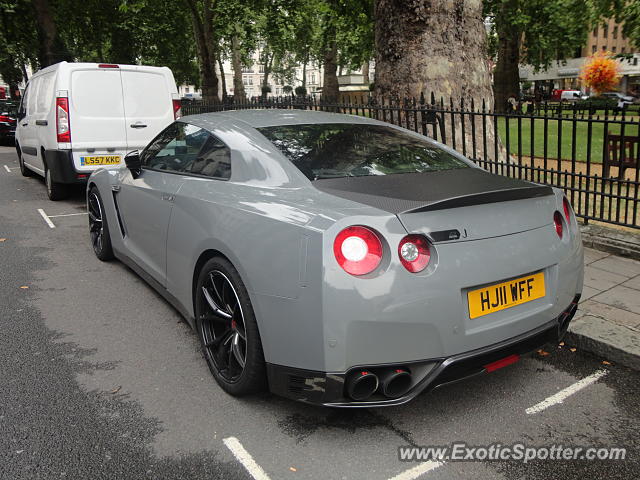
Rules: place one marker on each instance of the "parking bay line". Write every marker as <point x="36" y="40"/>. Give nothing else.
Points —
<point x="67" y="215"/>
<point x="245" y="458"/>
<point x="256" y="471"/>
<point x="562" y="395"/>
<point x="418" y="470"/>
<point x="46" y="218"/>
<point x="7" y="168"/>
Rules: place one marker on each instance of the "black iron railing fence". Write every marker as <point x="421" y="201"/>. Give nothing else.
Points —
<point x="592" y="154"/>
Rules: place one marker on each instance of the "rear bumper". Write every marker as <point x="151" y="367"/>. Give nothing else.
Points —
<point x="328" y="388"/>
<point x="60" y="163"/>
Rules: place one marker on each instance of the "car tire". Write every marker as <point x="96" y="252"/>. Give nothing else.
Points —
<point x="236" y="363"/>
<point x="55" y="191"/>
<point x="98" y="227"/>
<point x="23" y="168"/>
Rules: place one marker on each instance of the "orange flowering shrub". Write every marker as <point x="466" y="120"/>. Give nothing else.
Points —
<point x="600" y="72"/>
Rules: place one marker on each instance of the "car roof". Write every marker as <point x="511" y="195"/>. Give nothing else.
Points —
<point x="270" y="117"/>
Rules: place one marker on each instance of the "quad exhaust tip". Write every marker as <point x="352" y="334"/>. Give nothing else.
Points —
<point x="391" y="382"/>
<point x="362" y="384"/>
<point x="395" y="382"/>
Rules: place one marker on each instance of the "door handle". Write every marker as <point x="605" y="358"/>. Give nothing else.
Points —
<point x="42" y="123"/>
<point x="24" y="124"/>
<point x="138" y="125"/>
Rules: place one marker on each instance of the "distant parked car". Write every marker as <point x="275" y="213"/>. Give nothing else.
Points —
<point x="572" y="95"/>
<point x="7" y="123"/>
<point x="190" y="97"/>
<point x="75" y="117"/>
<point x="622" y="101"/>
<point x="567" y="95"/>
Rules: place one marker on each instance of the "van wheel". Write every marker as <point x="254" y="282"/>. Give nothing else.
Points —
<point x="23" y="168"/>
<point x="55" y="191"/>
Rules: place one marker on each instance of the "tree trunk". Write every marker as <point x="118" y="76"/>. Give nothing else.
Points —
<point x="236" y="62"/>
<point x="268" y="64"/>
<point x="50" y="49"/>
<point x="304" y="73"/>
<point x="330" y="89"/>
<point x="425" y="46"/>
<point x="203" y="36"/>
<point x="13" y="88"/>
<point x="223" y="79"/>
<point x="506" y="76"/>
<point x="365" y="72"/>
<point x="122" y="46"/>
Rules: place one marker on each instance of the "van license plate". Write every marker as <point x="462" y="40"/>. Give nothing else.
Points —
<point x="486" y="300"/>
<point x="100" y="160"/>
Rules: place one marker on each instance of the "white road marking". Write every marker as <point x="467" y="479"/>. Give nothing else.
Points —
<point x="567" y="392"/>
<point x="7" y="169"/>
<point x="67" y="215"/>
<point x="46" y="218"/>
<point x="245" y="458"/>
<point x="418" y="470"/>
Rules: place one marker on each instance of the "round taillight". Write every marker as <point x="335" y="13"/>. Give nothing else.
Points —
<point x="567" y="209"/>
<point x="358" y="250"/>
<point x="414" y="254"/>
<point x="557" y="220"/>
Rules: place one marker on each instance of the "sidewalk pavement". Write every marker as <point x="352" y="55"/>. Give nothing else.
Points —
<point x="608" y="319"/>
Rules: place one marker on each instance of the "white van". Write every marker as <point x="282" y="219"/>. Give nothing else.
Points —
<point x="572" y="95"/>
<point x="75" y="117"/>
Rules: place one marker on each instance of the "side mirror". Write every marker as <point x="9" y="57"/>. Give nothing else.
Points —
<point x="133" y="163"/>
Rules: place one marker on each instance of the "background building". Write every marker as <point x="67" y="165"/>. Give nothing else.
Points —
<point x="252" y="77"/>
<point x="608" y="37"/>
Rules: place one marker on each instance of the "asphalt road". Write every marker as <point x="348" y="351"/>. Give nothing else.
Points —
<point x="100" y="378"/>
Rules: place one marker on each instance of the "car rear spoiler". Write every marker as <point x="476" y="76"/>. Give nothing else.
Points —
<point x="495" y="196"/>
<point x="436" y="190"/>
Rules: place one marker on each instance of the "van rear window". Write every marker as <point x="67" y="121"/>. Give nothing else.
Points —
<point x="97" y="93"/>
<point x="146" y="94"/>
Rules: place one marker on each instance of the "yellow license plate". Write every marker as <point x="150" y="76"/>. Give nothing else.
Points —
<point x="486" y="300"/>
<point x="100" y="160"/>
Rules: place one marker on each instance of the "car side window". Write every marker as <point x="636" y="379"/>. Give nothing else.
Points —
<point x="213" y="159"/>
<point x="158" y="144"/>
<point x="22" y="110"/>
<point x="176" y="148"/>
<point x="33" y="93"/>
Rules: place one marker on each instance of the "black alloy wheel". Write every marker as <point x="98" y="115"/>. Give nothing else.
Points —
<point x="98" y="228"/>
<point x="228" y="330"/>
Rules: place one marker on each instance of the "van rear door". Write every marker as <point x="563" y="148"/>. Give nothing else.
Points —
<point x="148" y="103"/>
<point x="96" y="115"/>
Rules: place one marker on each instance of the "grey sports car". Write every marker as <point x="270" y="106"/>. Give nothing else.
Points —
<point x="336" y="259"/>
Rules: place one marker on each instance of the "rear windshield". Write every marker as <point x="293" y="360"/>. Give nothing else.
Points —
<point x="332" y="150"/>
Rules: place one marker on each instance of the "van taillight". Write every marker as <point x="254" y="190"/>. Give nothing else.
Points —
<point x="108" y="65"/>
<point x="177" y="109"/>
<point x="63" y="126"/>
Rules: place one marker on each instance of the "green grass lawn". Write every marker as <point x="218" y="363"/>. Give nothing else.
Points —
<point x="581" y="127"/>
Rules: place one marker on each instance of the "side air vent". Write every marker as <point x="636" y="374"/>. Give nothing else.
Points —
<point x="120" y="223"/>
